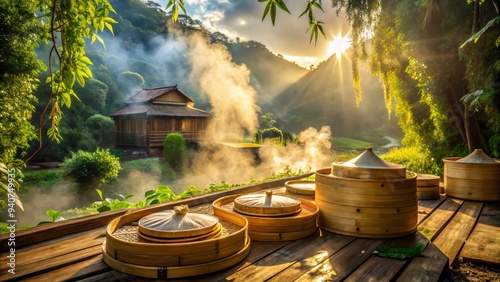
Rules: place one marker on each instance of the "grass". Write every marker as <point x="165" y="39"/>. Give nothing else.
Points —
<point x="350" y="143"/>
<point x="43" y="179"/>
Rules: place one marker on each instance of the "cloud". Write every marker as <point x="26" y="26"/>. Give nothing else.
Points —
<point x="287" y="37"/>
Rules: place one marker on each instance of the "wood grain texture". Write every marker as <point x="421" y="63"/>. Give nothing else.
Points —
<point x="483" y="245"/>
<point x="427" y="268"/>
<point x="454" y="235"/>
<point x="433" y="224"/>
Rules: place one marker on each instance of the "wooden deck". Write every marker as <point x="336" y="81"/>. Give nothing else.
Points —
<point x="451" y="229"/>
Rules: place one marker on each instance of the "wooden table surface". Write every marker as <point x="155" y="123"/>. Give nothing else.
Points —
<point x="451" y="229"/>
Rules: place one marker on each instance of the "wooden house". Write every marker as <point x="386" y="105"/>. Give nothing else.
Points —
<point x="151" y="114"/>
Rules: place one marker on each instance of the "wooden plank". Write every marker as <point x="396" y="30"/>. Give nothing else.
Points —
<point x="385" y="269"/>
<point x="339" y="265"/>
<point x="81" y="270"/>
<point x="50" y="263"/>
<point x="24" y="257"/>
<point x="258" y="251"/>
<point x="452" y="238"/>
<point x="280" y="259"/>
<point x="483" y="245"/>
<point x="433" y="225"/>
<point x="58" y="229"/>
<point x="427" y="268"/>
<point x="313" y="257"/>
<point x="426" y="207"/>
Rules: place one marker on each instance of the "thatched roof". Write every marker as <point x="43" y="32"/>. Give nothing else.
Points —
<point x="146" y="95"/>
<point x="162" y="110"/>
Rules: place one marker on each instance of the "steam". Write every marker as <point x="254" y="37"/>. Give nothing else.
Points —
<point x="227" y="86"/>
<point x="193" y="62"/>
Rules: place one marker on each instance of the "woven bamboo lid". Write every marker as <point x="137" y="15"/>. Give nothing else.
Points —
<point x="301" y="187"/>
<point x="478" y="156"/>
<point x="266" y="204"/>
<point x="369" y="166"/>
<point x="177" y="223"/>
<point x="427" y="180"/>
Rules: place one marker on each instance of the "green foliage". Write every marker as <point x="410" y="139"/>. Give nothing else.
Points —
<point x="400" y="252"/>
<point x="53" y="215"/>
<point x="43" y="178"/>
<point x="273" y="134"/>
<point x="19" y="69"/>
<point x="161" y="194"/>
<point x="130" y="80"/>
<point x="65" y="18"/>
<point x="271" y="8"/>
<point x="108" y="204"/>
<point x="176" y="6"/>
<point x="315" y="26"/>
<point x="101" y="129"/>
<point x="92" y="167"/>
<point x="10" y="179"/>
<point x="173" y="149"/>
<point x="349" y="143"/>
<point x="414" y="159"/>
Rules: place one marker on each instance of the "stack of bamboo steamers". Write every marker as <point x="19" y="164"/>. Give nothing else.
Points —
<point x="175" y="243"/>
<point x="367" y="197"/>
<point x="272" y="217"/>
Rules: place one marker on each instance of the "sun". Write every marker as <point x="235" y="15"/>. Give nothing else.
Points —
<point x="338" y="45"/>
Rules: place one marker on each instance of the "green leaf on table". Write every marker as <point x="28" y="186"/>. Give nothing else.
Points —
<point x="400" y="252"/>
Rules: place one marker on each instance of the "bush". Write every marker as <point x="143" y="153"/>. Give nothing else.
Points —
<point x="414" y="159"/>
<point x="173" y="149"/>
<point x="274" y="134"/>
<point x="92" y="167"/>
<point x="102" y="129"/>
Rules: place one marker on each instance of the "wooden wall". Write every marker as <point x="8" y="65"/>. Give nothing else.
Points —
<point x="173" y="97"/>
<point x="132" y="130"/>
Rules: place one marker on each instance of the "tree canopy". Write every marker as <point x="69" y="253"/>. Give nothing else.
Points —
<point x="446" y="92"/>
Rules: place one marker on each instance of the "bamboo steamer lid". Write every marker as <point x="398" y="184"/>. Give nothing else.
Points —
<point x="300" y="187"/>
<point x="478" y="156"/>
<point x="427" y="180"/>
<point x="266" y="204"/>
<point x="369" y="166"/>
<point x="177" y="223"/>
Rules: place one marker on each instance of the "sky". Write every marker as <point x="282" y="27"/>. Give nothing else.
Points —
<point x="243" y="19"/>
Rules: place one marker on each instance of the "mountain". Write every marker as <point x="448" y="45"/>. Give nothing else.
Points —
<point x="325" y="96"/>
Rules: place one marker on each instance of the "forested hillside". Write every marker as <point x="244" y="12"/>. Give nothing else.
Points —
<point x="148" y="51"/>
<point x="325" y="96"/>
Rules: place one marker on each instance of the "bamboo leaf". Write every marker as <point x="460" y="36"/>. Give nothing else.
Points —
<point x="266" y="10"/>
<point x="282" y="6"/>
<point x="99" y="192"/>
<point x="273" y="12"/>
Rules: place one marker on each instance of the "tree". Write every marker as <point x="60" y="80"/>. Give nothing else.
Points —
<point x="423" y="69"/>
<point x="19" y="71"/>
<point x="173" y="150"/>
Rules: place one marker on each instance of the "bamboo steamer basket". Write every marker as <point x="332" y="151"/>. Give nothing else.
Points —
<point x="427" y="186"/>
<point x="266" y="204"/>
<point x="300" y="188"/>
<point x="126" y="251"/>
<point x="179" y="224"/>
<point x="474" y="177"/>
<point x="383" y="207"/>
<point x="282" y="228"/>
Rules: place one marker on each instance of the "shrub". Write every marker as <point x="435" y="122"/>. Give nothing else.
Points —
<point x="272" y="133"/>
<point x="102" y="129"/>
<point x="414" y="159"/>
<point x="92" y="167"/>
<point x="173" y="149"/>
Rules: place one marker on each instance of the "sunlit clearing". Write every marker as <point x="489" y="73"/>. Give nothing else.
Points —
<point x="338" y="45"/>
